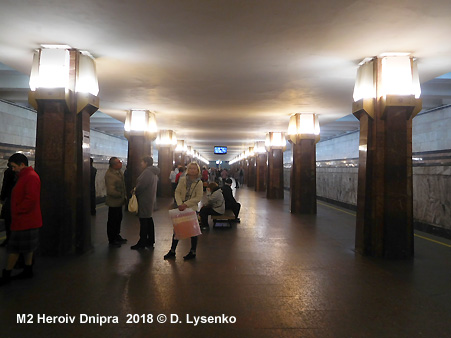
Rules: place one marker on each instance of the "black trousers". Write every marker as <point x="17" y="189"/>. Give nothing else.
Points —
<point x="176" y="241"/>
<point x="235" y="208"/>
<point x="113" y="226"/>
<point x="146" y="231"/>
<point x="204" y="212"/>
<point x="93" y="202"/>
<point x="6" y="215"/>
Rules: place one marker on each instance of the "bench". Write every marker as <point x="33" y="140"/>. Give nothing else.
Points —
<point x="227" y="218"/>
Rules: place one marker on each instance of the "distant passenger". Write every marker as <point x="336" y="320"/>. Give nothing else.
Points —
<point x="230" y="201"/>
<point x="236" y="176"/>
<point x="92" y="188"/>
<point x="9" y="179"/>
<point x="205" y="178"/>
<point x="172" y="177"/>
<point x="179" y="174"/>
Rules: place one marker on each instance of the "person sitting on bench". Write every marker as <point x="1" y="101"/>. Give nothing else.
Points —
<point x="214" y="204"/>
<point x="230" y="201"/>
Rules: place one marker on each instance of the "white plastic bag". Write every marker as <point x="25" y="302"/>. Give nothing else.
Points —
<point x="133" y="204"/>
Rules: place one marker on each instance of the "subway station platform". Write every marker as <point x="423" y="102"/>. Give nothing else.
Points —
<point x="272" y="275"/>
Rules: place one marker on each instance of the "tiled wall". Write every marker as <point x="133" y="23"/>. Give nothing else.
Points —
<point x="17" y="125"/>
<point x="18" y="133"/>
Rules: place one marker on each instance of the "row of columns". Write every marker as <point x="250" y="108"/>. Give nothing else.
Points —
<point x="384" y="226"/>
<point x="265" y="173"/>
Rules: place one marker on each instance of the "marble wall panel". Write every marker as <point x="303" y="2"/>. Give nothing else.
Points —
<point x="431" y="130"/>
<point x="339" y="184"/>
<point x="432" y="195"/>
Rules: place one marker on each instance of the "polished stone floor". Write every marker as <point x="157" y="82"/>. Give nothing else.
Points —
<point x="273" y="275"/>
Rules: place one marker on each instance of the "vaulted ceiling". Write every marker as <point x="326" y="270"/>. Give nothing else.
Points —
<point x="227" y="72"/>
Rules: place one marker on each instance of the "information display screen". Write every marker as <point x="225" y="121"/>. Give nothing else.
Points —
<point x="220" y="150"/>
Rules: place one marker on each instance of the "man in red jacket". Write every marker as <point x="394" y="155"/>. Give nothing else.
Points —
<point x="25" y="216"/>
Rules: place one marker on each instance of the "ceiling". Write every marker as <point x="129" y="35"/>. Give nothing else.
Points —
<point x="226" y="72"/>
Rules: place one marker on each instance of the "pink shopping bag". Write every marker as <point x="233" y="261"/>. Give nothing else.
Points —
<point x="185" y="223"/>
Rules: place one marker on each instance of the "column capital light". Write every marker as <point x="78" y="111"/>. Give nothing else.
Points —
<point x="181" y="147"/>
<point x="392" y="79"/>
<point x="140" y="122"/>
<point x="303" y="126"/>
<point x="275" y="140"/>
<point x="166" y="138"/>
<point x="259" y="147"/>
<point x="52" y="77"/>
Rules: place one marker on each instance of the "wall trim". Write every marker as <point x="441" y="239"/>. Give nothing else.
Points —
<point x="432" y="229"/>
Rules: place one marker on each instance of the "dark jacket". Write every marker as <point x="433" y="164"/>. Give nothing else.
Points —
<point x="9" y="179"/>
<point x="230" y="201"/>
<point x="146" y="191"/>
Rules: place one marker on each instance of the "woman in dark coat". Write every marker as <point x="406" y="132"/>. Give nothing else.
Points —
<point x="146" y="193"/>
<point x="9" y="179"/>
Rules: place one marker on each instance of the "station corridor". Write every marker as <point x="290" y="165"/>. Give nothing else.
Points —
<point x="275" y="274"/>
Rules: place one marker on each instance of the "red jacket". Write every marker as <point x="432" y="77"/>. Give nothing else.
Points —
<point x="25" y="201"/>
<point x="177" y="177"/>
<point x="204" y="175"/>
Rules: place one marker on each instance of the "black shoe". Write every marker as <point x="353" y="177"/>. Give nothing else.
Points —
<point x="25" y="274"/>
<point x="189" y="256"/>
<point x="115" y="244"/>
<point x="169" y="255"/>
<point x="237" y="220"/>
<point x="137" y="246"/>
<point x="4" y="243"/>
<point x="121" y="240"/>
<point x="205" y="228"/>
<point x="6" y="277"/>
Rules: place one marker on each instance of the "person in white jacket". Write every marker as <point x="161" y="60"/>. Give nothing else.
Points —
<point x="214" y="205"/>
<point x="188" y="194"/>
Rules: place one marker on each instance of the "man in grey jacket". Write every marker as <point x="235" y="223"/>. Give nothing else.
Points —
<point x="115" y="199"/>
<point x="146" y="193"/>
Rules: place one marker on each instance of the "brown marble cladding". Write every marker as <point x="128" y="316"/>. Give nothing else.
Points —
<point x="165" y="156"/>
<point x="274" y="183"/>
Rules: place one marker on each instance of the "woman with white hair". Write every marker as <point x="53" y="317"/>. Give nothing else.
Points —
<point x="188" y="194"/>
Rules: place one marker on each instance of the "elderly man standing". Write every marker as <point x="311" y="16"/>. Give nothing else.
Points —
<point x="25" y="216"/>
<point x="115" y="199"/>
